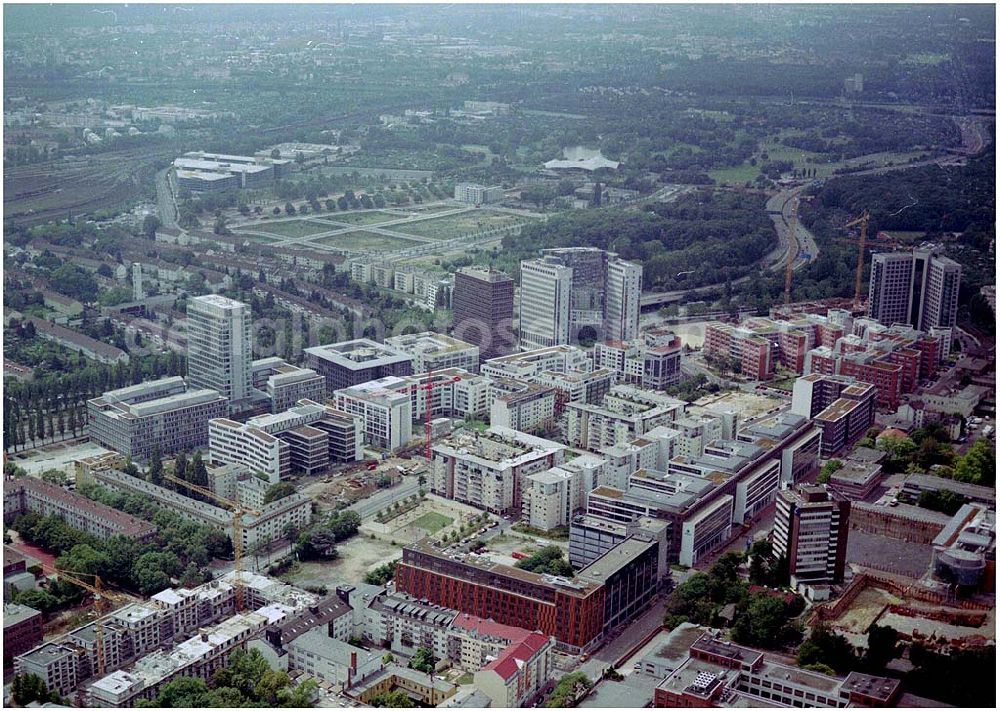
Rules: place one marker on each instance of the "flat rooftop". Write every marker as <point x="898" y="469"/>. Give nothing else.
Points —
<point x="611" y="562"/>
<point x="359" y="354"/>
<point x="429" y="343"/>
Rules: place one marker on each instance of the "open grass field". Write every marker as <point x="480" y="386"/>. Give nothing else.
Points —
<point x="432" y="522"/>
<point x="736" y="175"/>
<point x="426" y="209"/>
<point x="293" y="228"/>
<point x="364" y="241"/>
<point x="453" y="226"/>
<point x="361" y="218"/>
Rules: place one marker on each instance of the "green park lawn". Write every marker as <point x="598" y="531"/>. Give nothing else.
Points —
<point x="432" y="522"/>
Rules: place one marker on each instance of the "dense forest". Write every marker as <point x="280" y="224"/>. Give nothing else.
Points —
<point x="714" y="236"/>
<point x="953" y="205"/>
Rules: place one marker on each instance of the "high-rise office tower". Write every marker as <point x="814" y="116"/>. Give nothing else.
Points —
<point x="219" y="346"/>
<point x="919" y="288"/>
<point x="811" y="526"/>
<point x="621" y="304"/>
<point x="939" y="278"/>
<point x="138" y="293"/>
<point x="483" y="309"/>
<point x="543" y="314"/>
<point x="602" y="303"/>
<point x="889" y="287"/>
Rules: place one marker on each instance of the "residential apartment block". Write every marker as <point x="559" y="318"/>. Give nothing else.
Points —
<point x="652" y="362"/>
<point x="521" y="406"/>
<point x="29" y="495"/>
<point x="841" y="407"/>
<point x="626" y="413"/>
<point x="386" y="414"/>
<point x="474" y="194"/>
<point x="178" y="631"/>
<point x="286" y="384"/>
<point x="487" y="470"/>
<point x="22" y="630"/>
<point x="307" y="437"/>
<point x="294" y="509"/>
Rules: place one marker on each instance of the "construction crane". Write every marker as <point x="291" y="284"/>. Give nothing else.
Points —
<point x="239" y="510"/>
<point x="428" y="388"/>
<point x="792" y="250"/>
<point x="863" y="221"/>
<point x="101" y="597"/>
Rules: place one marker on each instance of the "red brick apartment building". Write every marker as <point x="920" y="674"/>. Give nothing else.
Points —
<point x="572" y="612"/>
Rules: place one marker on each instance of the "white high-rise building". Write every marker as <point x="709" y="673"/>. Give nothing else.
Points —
<point x="578" y="292"/>
<point x="919" y="288"/>
<point x="939" y="278"/>
<point x="219" y="346"/>
<point x="543" y="314"/>
<point x="621" y="303"/>
<point x="137" y="291"/>
<point x="889" y="287"/>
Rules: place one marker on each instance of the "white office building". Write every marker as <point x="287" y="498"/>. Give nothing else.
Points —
<point x="624" y="287"/>
<point x="219" y="347"/>
<point x="386" y="413"/>
<point x="435" y="351"/>
<point x="543" y="314"/>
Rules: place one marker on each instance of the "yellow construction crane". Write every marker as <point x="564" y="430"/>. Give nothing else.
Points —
<point x="863" y="221"/>
<point x="239" y="510"/>
<point x="792" y="250"/>
<point x="101" y="596"/>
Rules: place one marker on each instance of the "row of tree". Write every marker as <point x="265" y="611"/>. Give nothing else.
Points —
<point x="54" y="403"/>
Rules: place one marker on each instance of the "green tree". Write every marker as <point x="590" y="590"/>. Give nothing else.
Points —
<point x="183" y="692"/>
<point x="978" y="465"/>
<point x="56" y="477"/>
<point x="549" y="560"/>
<point x="155" y="471"/>
<point x="199" y="472"/>
<point x="829" y="648"/>
<point x="883" y="647"/>
<point x="41" y="600"/>
<point x="27" y="688"/>
<point x="153" y="571"/>
<point x="382" y="574"/>
<point x="423" y="660"/>
<point x="762" y="622"/>
<point x="941" y="500"/>
<point x="828" y="470"/>
<point x="392" y="700"/>
<point x="278" y="491"/>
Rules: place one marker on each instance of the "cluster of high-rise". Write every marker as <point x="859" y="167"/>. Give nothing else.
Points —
<point x="918" y="288"/>
<point x="578" y="293"/>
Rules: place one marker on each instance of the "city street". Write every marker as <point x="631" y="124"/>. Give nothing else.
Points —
<point x="622" y="640"/>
